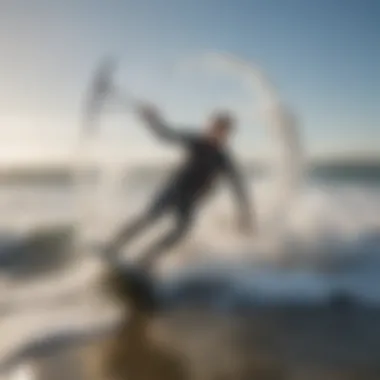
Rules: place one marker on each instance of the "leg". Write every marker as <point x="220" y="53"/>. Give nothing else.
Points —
<point x="129" y="231"/>
<point x="135" y="227"/>
<point x="169" y="240"/>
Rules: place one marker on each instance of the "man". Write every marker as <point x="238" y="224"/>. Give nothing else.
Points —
<point x="207" y="160"/>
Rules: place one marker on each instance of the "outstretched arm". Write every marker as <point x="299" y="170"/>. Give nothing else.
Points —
<point x="246" y="211"/>
<point x="157" y="125"/>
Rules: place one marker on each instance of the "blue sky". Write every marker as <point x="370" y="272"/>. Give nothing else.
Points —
<point x="324" y="57"/>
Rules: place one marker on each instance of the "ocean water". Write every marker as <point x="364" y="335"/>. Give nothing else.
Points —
<point x="322" y="243"/>
<point x="327" y="234"/>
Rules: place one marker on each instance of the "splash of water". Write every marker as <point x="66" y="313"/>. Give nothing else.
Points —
<point x="93" y="178"/>
<point x="280" y="120"/>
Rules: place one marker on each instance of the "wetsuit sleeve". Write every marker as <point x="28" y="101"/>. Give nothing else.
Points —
<point x="236" y="179"/>
<point x="169" y="134"/>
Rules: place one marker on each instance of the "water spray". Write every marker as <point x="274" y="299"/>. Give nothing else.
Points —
<point x="102" y="92"/>
<point x="278" y="117"/>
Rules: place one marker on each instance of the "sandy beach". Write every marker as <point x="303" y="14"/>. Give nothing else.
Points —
<point x="287" y="343"/>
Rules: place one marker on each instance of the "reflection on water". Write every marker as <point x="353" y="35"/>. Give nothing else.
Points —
<point x="287" y="344"/>
<point x="196" y="339"/>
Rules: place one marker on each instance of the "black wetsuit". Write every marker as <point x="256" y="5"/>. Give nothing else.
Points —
<point x="204" y="164"/>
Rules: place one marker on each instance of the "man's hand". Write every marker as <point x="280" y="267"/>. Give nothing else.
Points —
<point x="149" y="113"/>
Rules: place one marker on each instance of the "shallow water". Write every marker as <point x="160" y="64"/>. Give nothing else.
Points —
<point x="308" y="285"/>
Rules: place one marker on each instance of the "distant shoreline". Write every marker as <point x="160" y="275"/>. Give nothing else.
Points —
<point x="64" y="172"/>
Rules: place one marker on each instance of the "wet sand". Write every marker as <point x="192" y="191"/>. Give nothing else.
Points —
<point x="294" y="343"/>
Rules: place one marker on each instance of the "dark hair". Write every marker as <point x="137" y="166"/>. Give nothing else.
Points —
<point x="225" y="120"/>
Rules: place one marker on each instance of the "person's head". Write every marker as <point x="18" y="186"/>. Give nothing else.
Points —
<point x="220" y="127"/>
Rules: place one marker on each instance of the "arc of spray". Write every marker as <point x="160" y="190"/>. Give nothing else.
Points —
<point x="278" y="117"/>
